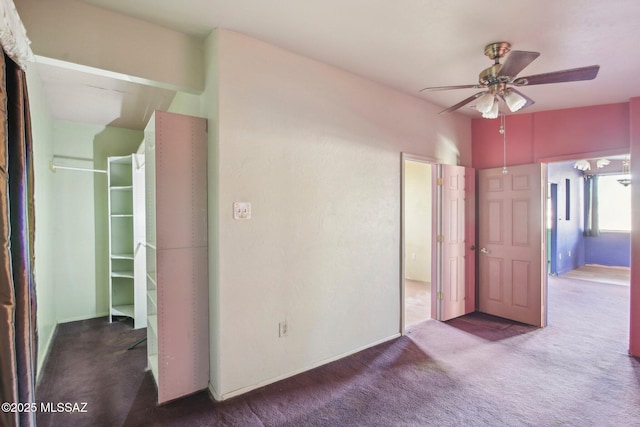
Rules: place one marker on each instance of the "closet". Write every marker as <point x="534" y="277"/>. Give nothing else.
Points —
<point x="127" y="284"/>
<point x="176" y="249"/>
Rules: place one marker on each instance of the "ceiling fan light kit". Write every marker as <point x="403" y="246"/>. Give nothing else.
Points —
<point x="485" y="103"/>
<point x="498" y="81"/>
<point x="582" y="165"/>
<point x="514" y="101"/>
<point x="493" y="112"/>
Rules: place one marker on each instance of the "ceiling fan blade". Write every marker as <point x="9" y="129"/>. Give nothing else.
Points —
<point x="516" y="61"/>
<point x="463" y="103"/>
<point x="429" y="89"/>
<point x="572" y="75"/>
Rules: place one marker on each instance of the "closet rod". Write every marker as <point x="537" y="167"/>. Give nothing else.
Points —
<point x="54" y="167"/>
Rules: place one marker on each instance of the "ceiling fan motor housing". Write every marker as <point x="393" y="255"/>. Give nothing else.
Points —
<point x="489" y="76"/>
<point x="496" y="51"/>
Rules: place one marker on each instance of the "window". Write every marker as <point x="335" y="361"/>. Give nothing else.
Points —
<point x="614" y="203"/>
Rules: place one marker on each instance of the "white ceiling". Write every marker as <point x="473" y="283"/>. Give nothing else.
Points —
<point x="411" y="44"/>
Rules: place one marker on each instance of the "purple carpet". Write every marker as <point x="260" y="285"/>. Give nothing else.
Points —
<point x="477" y="370"/>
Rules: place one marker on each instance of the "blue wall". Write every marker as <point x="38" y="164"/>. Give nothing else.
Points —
<point x="570" y="249"/>
<point x="613" y="249"/>
<point x="573" y="249"/>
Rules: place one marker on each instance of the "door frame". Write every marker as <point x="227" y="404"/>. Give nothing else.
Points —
<point x="433" y="162"/>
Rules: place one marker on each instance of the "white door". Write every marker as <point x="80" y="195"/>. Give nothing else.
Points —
<point x="512" y="283"/>
<point x="454" y="242"/>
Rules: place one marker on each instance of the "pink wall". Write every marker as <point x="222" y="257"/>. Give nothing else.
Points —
<point x="487" y="143"/>
<point x="634" y="327"/>
<point x="568" y="135"/>
<point x="558" y="134"/>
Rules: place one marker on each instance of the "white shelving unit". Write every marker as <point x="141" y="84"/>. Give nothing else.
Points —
<point x="126" y="237"/>
<point x="177" y="275"/>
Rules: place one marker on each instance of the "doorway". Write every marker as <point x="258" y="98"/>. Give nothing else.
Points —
<point x="417" y="240"/>
<point x="589" y="222"/>
<point x="589" y="214"/>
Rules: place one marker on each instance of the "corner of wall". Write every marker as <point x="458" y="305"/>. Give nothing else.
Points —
<point x="214" y="394"/>
<point x="634" y="321"/>
<point x="209" y="109"/>
<point x="44" y="350"/>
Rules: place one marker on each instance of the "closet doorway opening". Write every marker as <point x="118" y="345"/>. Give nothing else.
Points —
<point x="417" y="233"/>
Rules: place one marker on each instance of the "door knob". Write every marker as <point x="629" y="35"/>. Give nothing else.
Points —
<point x="484" y="250"/>
<point x="473" y="247"/>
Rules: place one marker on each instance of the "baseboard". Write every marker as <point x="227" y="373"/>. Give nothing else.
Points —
<point x="86" y="317"/>
<point x="234" y="393"/>
<point x="47" y="351"/>
<point x="214" y="394"/>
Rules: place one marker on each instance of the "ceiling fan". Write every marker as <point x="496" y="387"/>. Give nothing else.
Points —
<point x="500" y="81"/>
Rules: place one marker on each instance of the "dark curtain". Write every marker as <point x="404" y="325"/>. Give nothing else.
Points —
<point x="591" y="227"/>
<point x="18" y="332"/>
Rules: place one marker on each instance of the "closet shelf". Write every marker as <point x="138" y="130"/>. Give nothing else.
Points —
<point x="123" y="310"/>
<point x="127" y="284"/>
<point x="125" y="274"/>
<point x="121" y="256"/>
<point x="123" y="160"/>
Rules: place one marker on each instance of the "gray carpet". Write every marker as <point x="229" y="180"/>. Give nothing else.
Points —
<point x="477" y="370"/>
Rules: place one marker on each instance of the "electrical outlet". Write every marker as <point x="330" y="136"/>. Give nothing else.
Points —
<point x="283" y="328"/>
<point x="242" y="210"/>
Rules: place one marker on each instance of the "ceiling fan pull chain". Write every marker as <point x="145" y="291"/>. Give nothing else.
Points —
<point x="503" y="132"/>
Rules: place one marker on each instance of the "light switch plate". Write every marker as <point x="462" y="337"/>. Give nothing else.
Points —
<point x="242" y="210"/>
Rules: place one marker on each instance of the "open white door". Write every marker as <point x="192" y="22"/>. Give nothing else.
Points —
<point x="454" y="242"/>
<point x="512" y="282"/>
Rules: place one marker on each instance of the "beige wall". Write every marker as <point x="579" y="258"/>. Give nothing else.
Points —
<point x="418" y="195"/>
<point x="316" y="150"/>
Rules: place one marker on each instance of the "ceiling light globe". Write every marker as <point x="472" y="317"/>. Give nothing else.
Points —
<point x="485" y="102"/>
<point x="493" y="112"/>
<point x="514" y="101"/>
